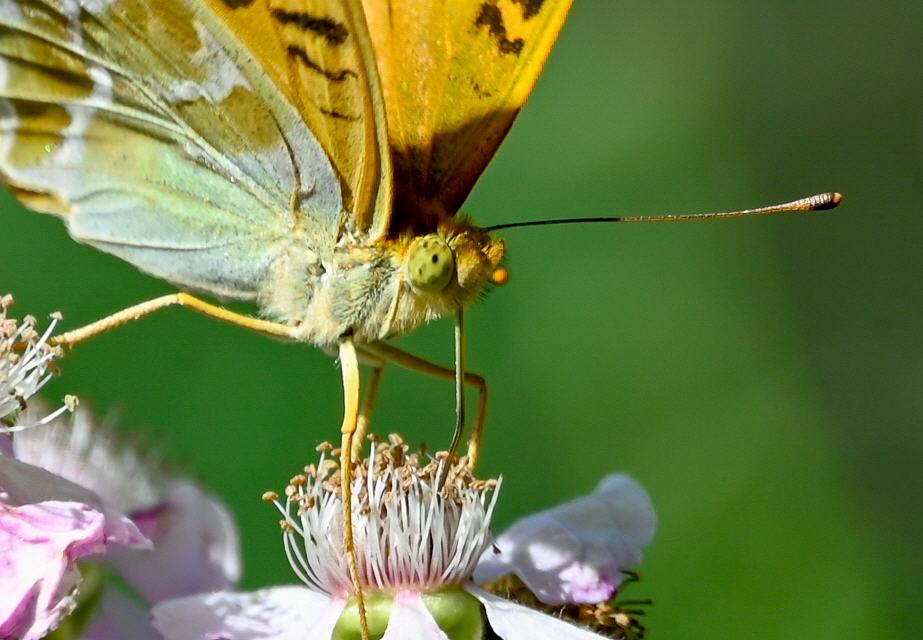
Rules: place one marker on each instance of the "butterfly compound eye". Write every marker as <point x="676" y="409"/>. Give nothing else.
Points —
<point x="430" y="263"/>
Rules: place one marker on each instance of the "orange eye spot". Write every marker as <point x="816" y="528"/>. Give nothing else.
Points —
<point x="501" y="275"/>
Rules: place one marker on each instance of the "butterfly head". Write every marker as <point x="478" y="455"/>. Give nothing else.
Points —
<point x="450" y="267"/>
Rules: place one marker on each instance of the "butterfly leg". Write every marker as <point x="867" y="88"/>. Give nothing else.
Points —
<point x="409" y="361"/>
<point x="368" y="405"/>
<point x="459" y="383"/>
<point x="138" y="311"/>
<point x="349" y="364"/>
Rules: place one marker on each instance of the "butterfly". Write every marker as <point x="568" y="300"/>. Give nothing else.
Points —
<point x="310" y="156"/>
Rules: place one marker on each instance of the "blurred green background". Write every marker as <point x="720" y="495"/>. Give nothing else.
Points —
<point x="761" y="377"/>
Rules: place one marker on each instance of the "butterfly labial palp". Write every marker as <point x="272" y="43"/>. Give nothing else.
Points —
<point x="309" y="156"/>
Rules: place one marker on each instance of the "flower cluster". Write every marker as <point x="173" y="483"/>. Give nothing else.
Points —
<point x="427" y="563"/>
<point x="72" y="491"/>
<point x="80" y="505"/>
<point x="77" y="502"/>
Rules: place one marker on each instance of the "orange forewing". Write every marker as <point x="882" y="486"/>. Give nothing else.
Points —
<point x="455" y="73"/>
<point x="319" y="54"/>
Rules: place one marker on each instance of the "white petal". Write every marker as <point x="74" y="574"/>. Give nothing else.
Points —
<point x="576" y="552"/>
<point x="6" y="445"/>
<point x="411" y="619"/>
<point x="95" y="456"/>
<point x="280" y="613"/>
<point x="196" y="549"/>
<point x="118" y="618"/>
<point x="513" y="621"/>
<point x="39" y="547"/>
<point x="23" y="483"/>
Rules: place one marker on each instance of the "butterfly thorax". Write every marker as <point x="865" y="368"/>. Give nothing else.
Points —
<point x="376" y="290"/>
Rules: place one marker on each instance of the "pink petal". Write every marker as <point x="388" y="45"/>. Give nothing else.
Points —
<point x="411" y="619"/>
<point x="118" y="618"/>
<point x="196" y="548"/>
<point x="576" y="552"/>
<point x="39" y="544"/>
<point x="280" y="613"/>
<point x="513" y="621"/>
<point x="22" y="484"/>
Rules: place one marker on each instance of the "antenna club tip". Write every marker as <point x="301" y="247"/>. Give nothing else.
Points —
<point x="828" y="200"/>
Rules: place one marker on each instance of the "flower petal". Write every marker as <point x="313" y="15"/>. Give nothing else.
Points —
<point x="280" y="613"/>
<point x="513" y="621"/>
<point x="22" y="484"/>
<point x="96" y="456"/>
<point x="576" y="552"/>
<point x="6" y="445"/>
<point x="39" y="544"/>
<point x="119" y="617"/>
<point x="196" y="547"/>
<point x="411" y="619"/>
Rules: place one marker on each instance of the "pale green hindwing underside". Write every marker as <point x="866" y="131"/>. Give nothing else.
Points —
<point x="151" y="131"/>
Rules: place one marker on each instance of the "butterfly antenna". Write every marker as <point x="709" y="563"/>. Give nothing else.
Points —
<point x="819" y="202"/>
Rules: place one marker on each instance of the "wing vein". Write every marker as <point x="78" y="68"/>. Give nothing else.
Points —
<point x="270" y="201"/>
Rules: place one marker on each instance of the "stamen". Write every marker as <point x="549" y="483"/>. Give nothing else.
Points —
<point x="410" y="533"/>
<point x="26" y="363"/>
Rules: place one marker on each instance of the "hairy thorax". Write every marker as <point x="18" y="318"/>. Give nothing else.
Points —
<point x="368" y="290"/>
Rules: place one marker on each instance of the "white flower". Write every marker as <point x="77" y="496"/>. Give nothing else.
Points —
<point x="47" y="523"/>
<point x="191" y="540"/>
<point x="576" y="552"/>
<point x="25" y="359"/>
<point x="419" y="546"/>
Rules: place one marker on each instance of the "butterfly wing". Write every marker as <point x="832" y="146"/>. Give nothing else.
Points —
<point x="455" y="74"/>
<point x="319" y="54"/>
<point x="161" y="133"/>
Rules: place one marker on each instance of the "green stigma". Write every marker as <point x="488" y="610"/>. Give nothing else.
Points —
<point x="430" y="263"/>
